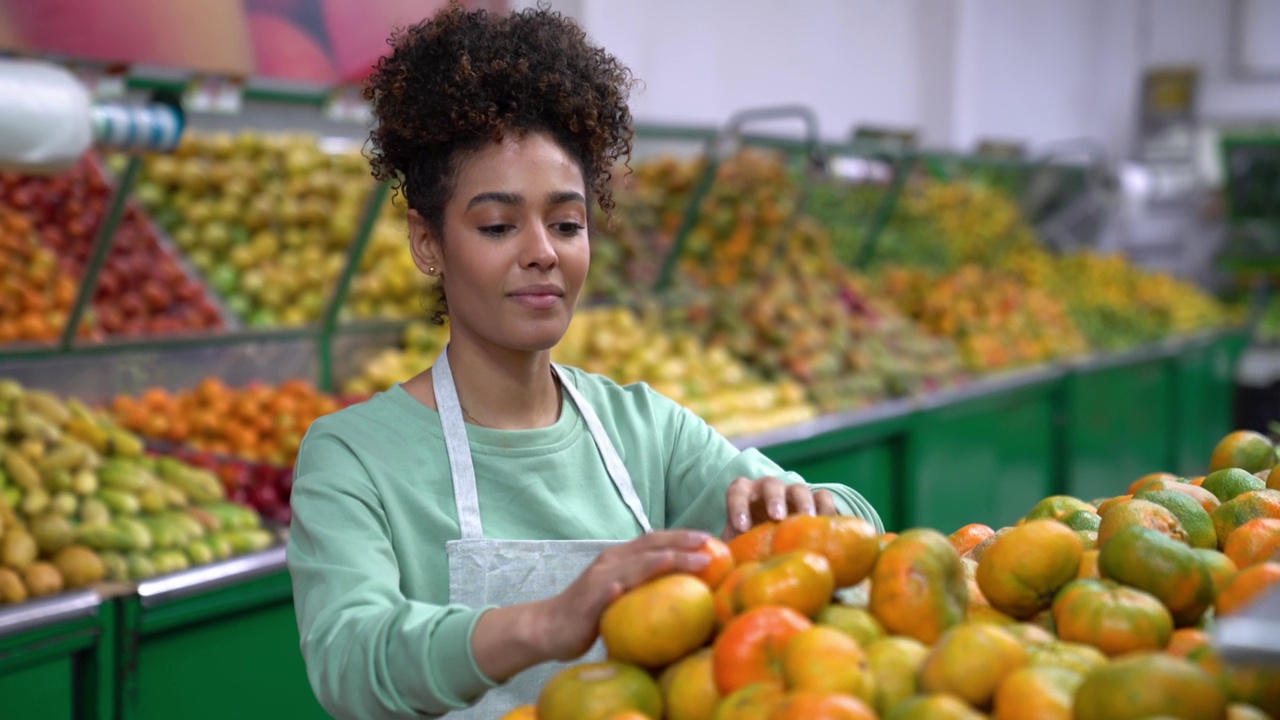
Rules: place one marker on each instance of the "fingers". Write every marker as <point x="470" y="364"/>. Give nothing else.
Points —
<point x="772" y="497"/>
<point x="825" y="503"/>
<point x="801" y="499"/>
<point x="738" y="505"/>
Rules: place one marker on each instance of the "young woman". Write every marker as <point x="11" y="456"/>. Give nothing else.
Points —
<point x="456" y="538"/>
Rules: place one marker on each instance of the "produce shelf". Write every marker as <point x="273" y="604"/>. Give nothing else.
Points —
<point x="215" y="642"/>
<point x="58" y="657"/>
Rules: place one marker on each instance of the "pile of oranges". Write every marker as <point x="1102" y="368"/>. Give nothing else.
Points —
<point x="257" y="422"/>
<point x="35" y="298"/>
<point x="1096" y="610"/>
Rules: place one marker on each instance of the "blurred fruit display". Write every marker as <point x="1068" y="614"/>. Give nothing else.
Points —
<point x="997" y="320"/>
<point x="389" y="285"/>
<point x="267" y="218"/>
<point x="81" y="502"/>
<point x="37" y="296"/>
<point x="143" y="288"/>
<point x="256" y="422"/>
<point x="711" y="382"/>
<point x="421" y="345"/>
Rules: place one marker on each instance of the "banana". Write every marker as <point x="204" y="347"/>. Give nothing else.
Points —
<point x="173" y="497"/>
<point x="21" y="470"/>
<point x="121" y="474"/>
<point x="123" y="443"/>
<point x="120" y="501"/>
<point x="88" y="431"/>
<point x="35" y="501"/>
<point x="11" y="389"/>
<point x="64" y="503"/>
<point x="68" y="455"/>
<point x="47" y="405"/>
<point x="137" y="532"/>
<point x="85" y="482"/>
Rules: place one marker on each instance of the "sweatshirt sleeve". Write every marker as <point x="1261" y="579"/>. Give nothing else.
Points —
<point x="369" y="651"/>
<point x="703" y="463"/>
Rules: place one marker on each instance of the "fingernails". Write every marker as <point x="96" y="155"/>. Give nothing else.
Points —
<point x="777" y="511"/>
<point x="740" y="522"/>
<point x="698" y="537"/>
<point x="698" y="562"/>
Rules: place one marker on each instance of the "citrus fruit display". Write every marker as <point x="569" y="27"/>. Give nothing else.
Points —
<point x="822" y="617"/>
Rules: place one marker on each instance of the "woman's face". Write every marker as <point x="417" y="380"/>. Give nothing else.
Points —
<point x="515" y="251"/>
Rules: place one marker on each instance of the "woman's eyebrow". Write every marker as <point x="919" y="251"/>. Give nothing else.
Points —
<point x="499" y="197"/>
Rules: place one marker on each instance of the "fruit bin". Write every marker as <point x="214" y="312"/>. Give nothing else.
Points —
<point x="215" y="642"/>
<point x="58" y="657"/>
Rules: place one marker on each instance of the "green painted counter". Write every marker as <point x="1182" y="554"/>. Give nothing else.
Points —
<point x="215" y="642"/>
<point x="1204" y="395"/>
<point x="57" y="658"/>
<point x="983" y="454"/>
<point x="864" y="450"/>
<point x="1119" y="421"/>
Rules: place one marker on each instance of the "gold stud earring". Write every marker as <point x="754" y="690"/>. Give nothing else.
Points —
<point x="431" y="270"/>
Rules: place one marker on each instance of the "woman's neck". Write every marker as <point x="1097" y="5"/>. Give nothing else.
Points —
<point x="503" y="389"/>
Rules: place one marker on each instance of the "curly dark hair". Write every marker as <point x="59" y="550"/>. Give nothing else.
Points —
<point x="461" y="80"/>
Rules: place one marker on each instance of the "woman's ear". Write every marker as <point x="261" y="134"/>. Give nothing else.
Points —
<point x="425" y="245"/>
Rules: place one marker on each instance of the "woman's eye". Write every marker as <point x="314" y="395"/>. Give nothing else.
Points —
<point x="569" y="228"/>
<point x="496" y="230"/>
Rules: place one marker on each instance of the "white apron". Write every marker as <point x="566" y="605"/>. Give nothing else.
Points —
<point x="507" y="572"/>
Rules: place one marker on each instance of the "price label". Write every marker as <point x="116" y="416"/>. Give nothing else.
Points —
<point x="220" y="95"/>
<point x="349" y="106"/>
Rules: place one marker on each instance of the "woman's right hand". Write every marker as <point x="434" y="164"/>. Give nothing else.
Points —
<point x="569" y="622"/>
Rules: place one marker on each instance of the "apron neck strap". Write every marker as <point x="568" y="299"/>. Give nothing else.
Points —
<point x="465" y="494"/>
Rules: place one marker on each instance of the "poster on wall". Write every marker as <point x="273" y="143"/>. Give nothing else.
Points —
<point x="311" y="41"/>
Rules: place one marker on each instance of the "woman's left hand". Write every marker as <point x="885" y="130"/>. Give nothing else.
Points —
<point x="751" y="502"/>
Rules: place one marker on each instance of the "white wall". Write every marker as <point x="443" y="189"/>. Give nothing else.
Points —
<point x="959" y="70"/>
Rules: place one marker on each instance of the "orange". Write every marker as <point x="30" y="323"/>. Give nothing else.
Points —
<point x="855" y="622"/>
<point x="1253" y="542"/>
<point x="1246" y="586"/>
<point x="1171" y="571"/>
<point x="1206" y="499"/>
<point x="1037" y="693"/>
<point x="895" y="664"/>
<point x="597" y="691"/>
<point x="1243" y="449"/>
<point x="721" y="562"/>
<point x="659" y="622"/>
<point x="1186" y="640"/>
<point x="1243" y="508"/>
<point x="825" y="659"/>
<point x="950" y="666"/>
<point x="968" y="537"/>
<point x="849" y="544"/>
<point x="1073" y="656"/>
<point x="1105" y="506"/>
<point x="799" y="580"/>
<point x="1220" y="568"/>
<point x="754" y="544"/>
<point x="1231" y="483"/>
<point x="753" y="702"/>
<point x="918" y="586"/>
<point x="886" y="538"/>
<point x="750" y="648"/>
<point x="1088" y="565"/>
<point x="1056" y="507"/>
<point x="1145" y="480"/>
<point x="689" y="689"/>
<point x="1150" y="685"/>
<point x="976" y="552"/>
<point x="1111" y="617"/>
<point x="934" y="707"/>
<point x="524" y="712"/>
<point x="1029" y="634"/>
<point x="1022" y="571"/>
<point x="1140" y="513"/>
<point x="725" y="597"/>
<point x="819" y="705"/>
<point x="1194" y="518"/>
<point x="631" y="715"/>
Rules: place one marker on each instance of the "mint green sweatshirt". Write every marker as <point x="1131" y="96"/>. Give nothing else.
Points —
<point x="373" y="508"/>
